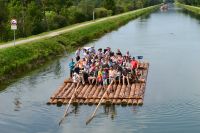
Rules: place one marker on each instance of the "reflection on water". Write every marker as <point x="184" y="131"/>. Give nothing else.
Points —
<point x="57" y="68"/>
<point x="17" y="104"/>
<point x="190" y="14"/>
<point x="110" y="110"/>
<point x="168" y="40"/>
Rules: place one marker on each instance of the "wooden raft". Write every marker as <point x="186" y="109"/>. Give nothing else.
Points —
<point x="91" y="94"/>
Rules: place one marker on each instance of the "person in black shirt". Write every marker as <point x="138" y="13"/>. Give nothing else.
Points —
<point x="119" y="52"/>
<point x="125" y="76"/>
<point x="77" y="69"/>
<point x="119" y="73"/>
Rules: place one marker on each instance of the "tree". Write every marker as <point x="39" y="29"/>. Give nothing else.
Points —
<point x="109" y="4"/>
<point x="3" y="20"/>
<point x="87" y="8"/>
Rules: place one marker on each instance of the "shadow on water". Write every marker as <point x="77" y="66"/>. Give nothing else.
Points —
<point x="190" y="14"/>
<point x="108" y="110"/>
<point x="52" y="65"/>
<point x="145" y="17"/>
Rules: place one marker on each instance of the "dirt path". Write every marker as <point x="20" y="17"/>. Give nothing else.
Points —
<point x="48" y="35"/>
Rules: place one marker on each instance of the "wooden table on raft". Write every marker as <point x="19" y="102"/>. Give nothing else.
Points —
<point x="132" y="94"/>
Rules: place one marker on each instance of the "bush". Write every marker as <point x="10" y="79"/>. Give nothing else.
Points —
<point x="102" y="12"/>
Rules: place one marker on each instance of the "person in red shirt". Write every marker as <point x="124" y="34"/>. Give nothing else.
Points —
<point x="134" y="65"/>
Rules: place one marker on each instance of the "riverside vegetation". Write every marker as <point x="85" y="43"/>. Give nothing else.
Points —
<point x="22" y="58"/>
<point x="194" y="9"/>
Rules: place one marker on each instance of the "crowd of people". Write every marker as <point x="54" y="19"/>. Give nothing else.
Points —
<point x="103" y="66"/>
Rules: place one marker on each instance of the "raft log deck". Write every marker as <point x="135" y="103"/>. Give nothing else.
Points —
<point x="91" y="94"/>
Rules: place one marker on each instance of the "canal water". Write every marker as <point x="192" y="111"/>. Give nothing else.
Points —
<point x="168" y="40"/>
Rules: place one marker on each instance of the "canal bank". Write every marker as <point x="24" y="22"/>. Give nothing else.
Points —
<point x="193" y="9"/>
<point x="23" y="58"/>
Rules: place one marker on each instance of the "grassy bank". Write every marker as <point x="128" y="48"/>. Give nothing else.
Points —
<point x="189" y="8"/>
<point x="23" y="58"/>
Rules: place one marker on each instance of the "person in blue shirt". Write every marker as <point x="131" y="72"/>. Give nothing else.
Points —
<point x="71" y="67"/>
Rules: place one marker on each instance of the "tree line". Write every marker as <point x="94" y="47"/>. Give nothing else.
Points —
<point x="190" y="2"/>
<point x="37" y="16"/>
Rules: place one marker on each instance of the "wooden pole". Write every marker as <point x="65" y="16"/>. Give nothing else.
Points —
<point x="65" y="114"/>
<point x="92" y="116"/>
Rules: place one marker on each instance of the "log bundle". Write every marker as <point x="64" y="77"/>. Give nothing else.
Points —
<point x="132" y="94"/>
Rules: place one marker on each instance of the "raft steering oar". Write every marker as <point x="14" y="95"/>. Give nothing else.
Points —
<point x="92" y="116"/>
<point x="73" y="95"/>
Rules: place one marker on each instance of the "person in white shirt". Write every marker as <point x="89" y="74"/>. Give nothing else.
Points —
<point x="76" y="78"/>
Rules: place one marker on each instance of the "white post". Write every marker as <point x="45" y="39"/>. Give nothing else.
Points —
<point x="14" y="27"/>
<point x="93" y="15"/>
<point x="14" y="37"/>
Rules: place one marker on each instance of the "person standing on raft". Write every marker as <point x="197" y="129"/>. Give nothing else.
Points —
<point x="78" y="53"/>
<point x="134" y="67"/>
<point x="71" y="67"/>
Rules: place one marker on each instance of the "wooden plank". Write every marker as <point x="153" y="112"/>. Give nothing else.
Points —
<point x="61" y="96"/>
<point x="134" y="102"/>
<point x="122" y="92"/>
<point x="58" y="90"/>
<point x="97" y="92"/>
<point x="72" y="89"/>
<point x="50" y="101"/>
<point x="54" y="101"/>
<point x="81" y="101"/>
<point x="90" y="97"/>
<point x="87" y="91"/>
<point x="80" y="95"/>
<point x="130" y="101"/>
<point x="61" y="101"/>
<point x="66" y="101"/>
<point x="91" y="93"/>
<point x="140" y="102"/>
<point x="131" y="94"/>
<point x="110" y="95"/>
<point x="117" y="91"/>
<point x="118" y="102"/>
<point x="75" y="100"/>
<point x="68" y="90"/>
<point x="116" y="95"/>
<point x="137" y="90"/>
<point x="92" y="100"/>
<point x="126" y="95"/>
